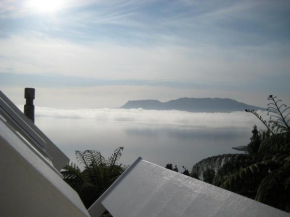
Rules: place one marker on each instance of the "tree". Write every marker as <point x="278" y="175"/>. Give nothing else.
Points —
<point x="185" y="172"/>
<point x="264" y="173"/>
<point x="169" y="166"/>
<point x="208" y="175"/>
<point x="254" y="145"/>
<point x="279" y="120"/>
<point x="97" y="176"/>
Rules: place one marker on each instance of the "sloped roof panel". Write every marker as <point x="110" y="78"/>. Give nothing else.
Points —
<point x="29" y="185"/>
<point x="148" y="190"/>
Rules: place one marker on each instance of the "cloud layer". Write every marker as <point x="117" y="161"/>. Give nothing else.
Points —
<point x="160" y="137"/>
<point x="182" y="41"/>
<point x="205" y="65"/>
<point x="153" y="117"/>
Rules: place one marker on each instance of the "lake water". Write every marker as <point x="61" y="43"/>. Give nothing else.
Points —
<point x="161" y="137"/>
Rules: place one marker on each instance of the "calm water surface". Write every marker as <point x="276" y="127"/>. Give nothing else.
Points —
<point x="157" y="143"/>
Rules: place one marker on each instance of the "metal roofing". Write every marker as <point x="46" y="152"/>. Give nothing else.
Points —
<point x="148" y="190"/>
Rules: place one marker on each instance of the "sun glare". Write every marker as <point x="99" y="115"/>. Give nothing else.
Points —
<point x="46" y="6"/>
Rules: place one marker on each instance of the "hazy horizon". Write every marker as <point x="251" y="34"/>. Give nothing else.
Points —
<point x="52" y="99"/>
<point x="162" y="137"/>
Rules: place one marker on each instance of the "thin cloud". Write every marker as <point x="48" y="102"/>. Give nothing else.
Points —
<point x="154" y="117"/>
<point x="34" y="53"/>
<point x="236" y="46"/>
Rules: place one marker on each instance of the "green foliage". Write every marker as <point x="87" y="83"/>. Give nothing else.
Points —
<point x="185" y="172"/>
<point x="97" y="176"/>
<point x="254" y="145"/>
<point x="264" y="176"/>
<point x="274" y="188"/>
<point x="208" y="175"/>
<point x="170" y="167"/>
<point x="279" y="116"/>
<point x="279" y="143"/>
<point x="264" y="173"/>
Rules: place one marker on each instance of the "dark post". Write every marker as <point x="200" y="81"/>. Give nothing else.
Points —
<point x="29" y="95"/>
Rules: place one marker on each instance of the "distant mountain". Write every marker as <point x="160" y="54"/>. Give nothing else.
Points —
<point x="192" y="105"/>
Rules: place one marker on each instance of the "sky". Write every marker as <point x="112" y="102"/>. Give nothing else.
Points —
<point x="86" y="54"/>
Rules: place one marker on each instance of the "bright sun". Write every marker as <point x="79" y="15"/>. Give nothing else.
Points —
<point x="45" y="6"/>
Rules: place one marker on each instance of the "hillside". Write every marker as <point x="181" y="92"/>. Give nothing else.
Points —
<point x="192" y="105"/>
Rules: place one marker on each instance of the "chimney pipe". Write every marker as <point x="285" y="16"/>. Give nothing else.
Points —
<point x="29" y="95"/>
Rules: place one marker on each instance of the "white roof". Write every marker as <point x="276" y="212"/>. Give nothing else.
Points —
<point x="30" y="181"/>
<point x="148" y="190"/>
<point x="31" y="132"/>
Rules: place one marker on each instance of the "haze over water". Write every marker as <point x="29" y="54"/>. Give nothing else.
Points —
<point x="161" y="137"/>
